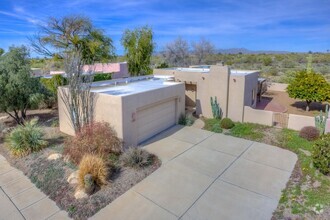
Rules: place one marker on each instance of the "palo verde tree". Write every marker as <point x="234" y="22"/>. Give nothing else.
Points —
<point x="16" y="84"/>
<point x="76" y="41"/>
<point x="309" y="86"/>
<point x="139" y="46"/>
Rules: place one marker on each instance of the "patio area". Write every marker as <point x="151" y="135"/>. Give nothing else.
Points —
<point x="206" y="176"/>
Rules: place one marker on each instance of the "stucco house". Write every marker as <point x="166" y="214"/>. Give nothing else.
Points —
<point x="140" y="107"/>
<point x="234" y="89"/>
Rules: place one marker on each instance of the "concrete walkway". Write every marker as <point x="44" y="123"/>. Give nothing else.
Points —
<point x="20" y="199"/>
<point x="206" y="176"/>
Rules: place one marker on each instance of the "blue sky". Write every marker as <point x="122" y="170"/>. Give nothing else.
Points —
<point x="291" y="25"/>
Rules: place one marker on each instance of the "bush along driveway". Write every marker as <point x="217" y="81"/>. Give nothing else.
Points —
<point x="205" y="175"/>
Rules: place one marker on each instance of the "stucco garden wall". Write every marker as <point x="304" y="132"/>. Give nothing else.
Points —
<point x="258" y="116"/>
<point x="297" y="122"/>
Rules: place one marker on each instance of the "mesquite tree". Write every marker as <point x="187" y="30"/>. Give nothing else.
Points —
<point x="177" y="52"/>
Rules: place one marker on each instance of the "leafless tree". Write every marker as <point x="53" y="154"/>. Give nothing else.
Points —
<point x="202" y="50"/>
<point x="77" y="96"/>
<point x="176" y="53"/>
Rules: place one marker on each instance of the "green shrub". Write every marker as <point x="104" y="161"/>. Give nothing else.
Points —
<point x="23" y="140"/>
<point x="248" y="131"/>
<point x="227" y="123"/>
<point x="101" y="77"/>
<point x="137" y="157"/>
<point x="51" y="84"/>
<point x="186" y="120"/>
<point x="216" y="128"/>
<point x="321" y="154"/>
<point x="98" y="138"/>
<point x="49" y="97"/>
<point x="309" y="133"/>
<point x="210" y="123"/>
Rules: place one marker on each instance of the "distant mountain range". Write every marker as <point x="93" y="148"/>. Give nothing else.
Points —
<point x="246" y="51"/>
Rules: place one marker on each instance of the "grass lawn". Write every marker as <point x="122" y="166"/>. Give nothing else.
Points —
<point x="307" y="195"/>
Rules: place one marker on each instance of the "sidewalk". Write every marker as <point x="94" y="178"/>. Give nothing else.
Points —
<point x="20" y="199"/>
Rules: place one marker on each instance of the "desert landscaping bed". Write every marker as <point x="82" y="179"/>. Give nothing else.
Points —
<point x="57" y="177"/>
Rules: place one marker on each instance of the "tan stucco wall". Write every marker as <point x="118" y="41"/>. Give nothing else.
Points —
<point x="211" y="84"/>
<point x="240" y="94"/>
<point x="297" y="122"/>
<point x="258" y="116"/>
<point x="327" y="127"/>
<point x="191" y="94"/>
<point x="120" y="111"/>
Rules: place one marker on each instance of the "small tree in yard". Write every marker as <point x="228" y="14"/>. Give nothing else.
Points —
<point x="139" y="46"/>
<point x="309" y="86"/>
<point x="75" y="40"/>
<point x="16" y="84"/>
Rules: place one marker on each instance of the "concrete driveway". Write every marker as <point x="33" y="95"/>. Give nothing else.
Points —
<point x="206" y="176"/>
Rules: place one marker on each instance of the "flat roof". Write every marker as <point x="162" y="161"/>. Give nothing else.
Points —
<point x="242" y="72"/>
<point x="190" y="69"/>
<point x="130" y="86"/>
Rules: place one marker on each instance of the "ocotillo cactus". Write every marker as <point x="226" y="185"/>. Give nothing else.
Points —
<point x="321" y="120"/>
<point x="216" y="110"/>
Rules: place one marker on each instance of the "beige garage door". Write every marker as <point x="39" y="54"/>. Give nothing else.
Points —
<point x="151" y="121"/>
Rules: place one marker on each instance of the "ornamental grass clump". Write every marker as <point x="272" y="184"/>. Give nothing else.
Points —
<point x="98" y="138"/>
<point x="136" y="157"/>
<point x="25" y="139"/>
<point x="309" y="133"/>
<point x="93" y="172"/>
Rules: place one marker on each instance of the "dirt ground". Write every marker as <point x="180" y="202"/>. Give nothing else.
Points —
<point x="293" y="106"/>
<point x="51" y="175"/>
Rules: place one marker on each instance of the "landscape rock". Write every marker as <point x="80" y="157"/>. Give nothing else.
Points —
<point x="73" y="178"/>
<point x="80" y="194"/>
<point x="316" y="184"/>
<point x="199" y="123"/>
<point x="54" y="156"/>
<point x="4" y="117"/>
<point x="306" y="152"/>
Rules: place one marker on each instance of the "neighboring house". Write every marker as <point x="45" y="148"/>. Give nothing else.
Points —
<point x="117" y="70"/>
<point x="234" y="89"/>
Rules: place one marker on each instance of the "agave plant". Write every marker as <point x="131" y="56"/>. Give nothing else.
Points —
<point x="25" y="139"/>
